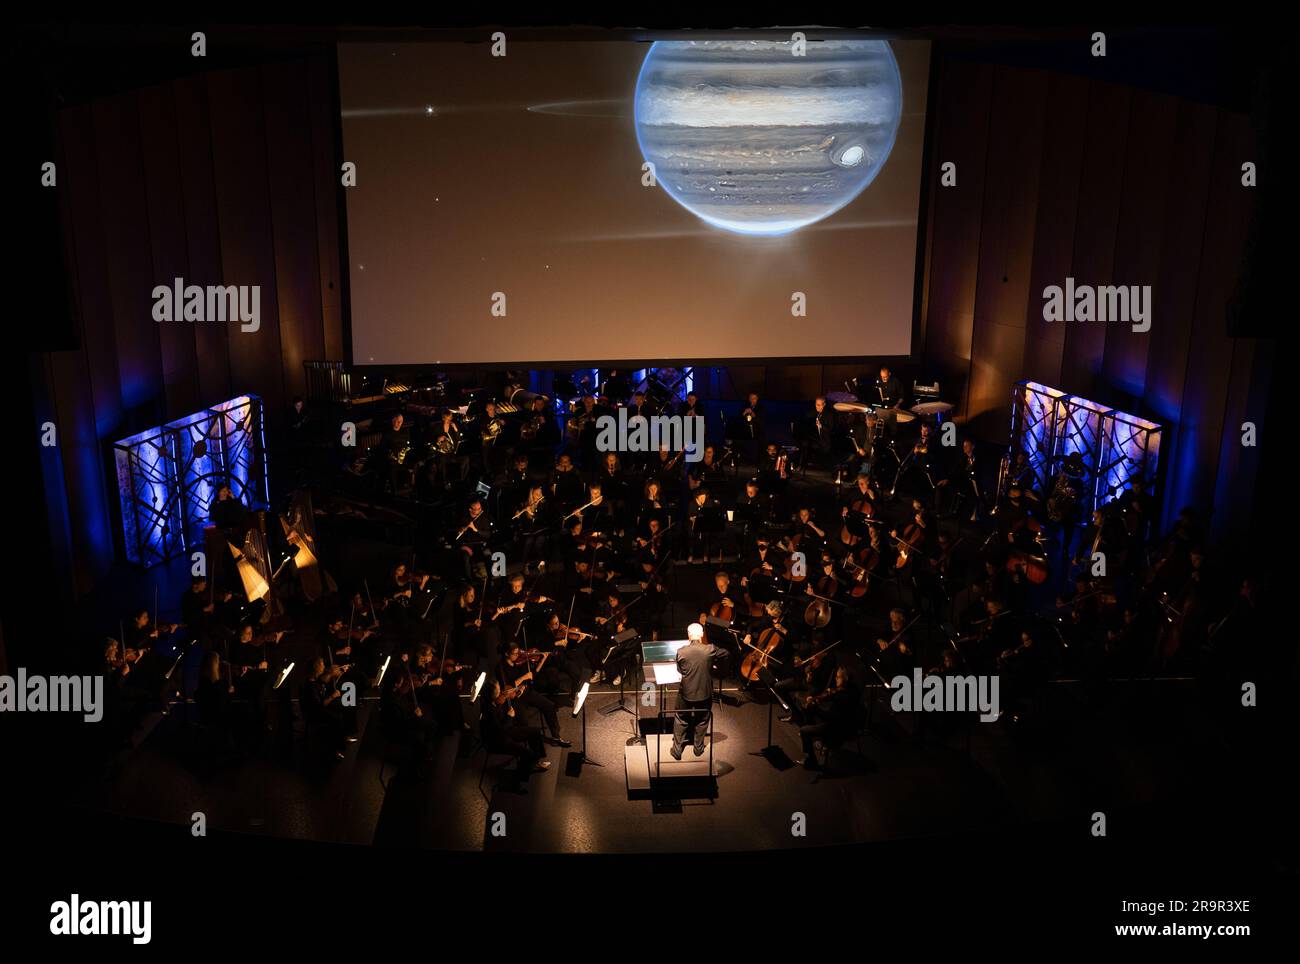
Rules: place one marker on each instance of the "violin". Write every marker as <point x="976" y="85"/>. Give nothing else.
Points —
<point x="563" y="632"/>
<point x="760" y="655"/>
<point x="816" y="659"/>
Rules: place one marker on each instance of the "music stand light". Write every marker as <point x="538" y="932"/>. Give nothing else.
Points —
<point x="573" y="766"/>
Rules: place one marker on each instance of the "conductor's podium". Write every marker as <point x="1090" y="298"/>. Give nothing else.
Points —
<point x="649" y="764"/>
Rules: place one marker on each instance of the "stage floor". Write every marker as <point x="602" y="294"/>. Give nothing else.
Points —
<point x="1131" y="750"/>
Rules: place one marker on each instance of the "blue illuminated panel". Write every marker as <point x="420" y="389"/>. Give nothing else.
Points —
<point x="168" y="476"/>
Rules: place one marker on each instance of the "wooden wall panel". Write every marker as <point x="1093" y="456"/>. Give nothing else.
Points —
<point x="124" y="210"/>
<point x="244" y="218"/>
<point x="167" y="244"/>
<point x="293" y="214"/>
<point x="961" y="136"/>
<point x="202" y="232"/>
<point x="1060" y="172"/>
<point x="1137" y="249"/>
<point x="1096" y="223"/>
<point x="1002" y="296"/>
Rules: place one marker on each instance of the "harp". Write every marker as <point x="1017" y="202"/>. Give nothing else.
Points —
<point x="300" y="533"/>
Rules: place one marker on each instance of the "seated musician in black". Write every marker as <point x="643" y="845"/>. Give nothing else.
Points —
<point x="613" y="483"/>
<point x="473" y="536"/>
<point x="515" y="606"/>
<point x="706" y="472"/>
<point x="611" y="619"/>
<point x="250" y="658"/>
<point x="724" y="599"/>
<point x="534" y="522"/>
<point x="399" y="708"/>
<point x="598" y="518"/>
<point x="518" y="676"/>
<point x="503" y="732"/>
<point x="814" y="536"/>
<point x="894" y="655"/>
<point x="203" y="610"/>
<point x="833" y="716"/>
<point x="753" y="509"/>
<point x="808" y="680"/>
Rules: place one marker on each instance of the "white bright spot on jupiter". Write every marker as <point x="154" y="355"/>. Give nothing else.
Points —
<point x="756" y="141"/>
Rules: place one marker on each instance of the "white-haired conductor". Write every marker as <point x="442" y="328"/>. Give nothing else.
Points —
<point x="694" y="696"/>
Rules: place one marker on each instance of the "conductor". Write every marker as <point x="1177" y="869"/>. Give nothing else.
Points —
<point x="693" y="664"/>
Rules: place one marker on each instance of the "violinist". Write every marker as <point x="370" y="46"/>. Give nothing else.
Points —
<point x="611" y="620"/>
<point x="142" y="634"/>
<point x="894" y="655"/>
<point x="813" y="675"/>
<point x="654" y="543"/>
<point x="833" y="715"/>
<point x="518" y="673"/>
<point x="204" y="610"/>
<point x="994" y="634"/>
<point x="504" y="732"/>
<point x="409" y="590"/>
<point x="249" y="658"/>
<point x="570" y="652"/>
<point x="399" y="705"/>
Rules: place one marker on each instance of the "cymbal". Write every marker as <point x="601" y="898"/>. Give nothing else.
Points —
<point x="850" y="407"/>
<point x="932" y="408"/>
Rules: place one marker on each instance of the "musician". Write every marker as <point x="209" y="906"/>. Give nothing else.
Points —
<point x="695" y="692"/>
<point x="249" y="659"/>
<point x="597" y="517"/>
<point x="1017" y="525"/>
<point x="894" y="655"/>
<point x="533" y="523"/>
<point x="691" y="406"/>
<point x="820" y="425"/>
<point x="613" y="483"/>
<point x="399" y="706"/>
<point x="228" y="512"/>
<point x="503" y="733"/>
<point x="611" y="620"/>
<point x="913" y="543"/>
<point x="753" y="508"/>
<point x="863" y="437"/>
<point x="707" y="471"/>
<point x="1063" y="505"/>
<point x="813" y="537"/>
<point x="569" y="655"/>
<point x="468" y="633"/>
<point x="667" y="468"/>
<point x="802" y="690"/>
<point x="566" y="484"/>
<point x="394" y="447"/>
<point x="617" y="387"/>
<point x="517" y="481"/>
<point x="751" y="431"/>
<point x="447" y="440"/>
<point x="473" y="536"/>
<point x="204" y="611"/>
<point x="539" y="430"/>
<point x="772" y="469"/>
<point x="1022" y="669"/>
<point x="517" y="673"/>
<point x="1019" y="473"/>
<point x="835" y="717"/>
<point x="512" y="604"/>
<point x="960" y="486"/>
<point x="702" y="505"/>
<point x="493" y="427"/>
<point x="889" y="391"/>
<point x="997" y="633"/>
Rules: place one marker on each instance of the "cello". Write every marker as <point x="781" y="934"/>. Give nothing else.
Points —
<point x="760" y="655"/>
